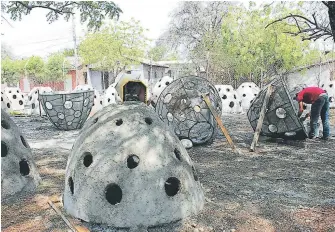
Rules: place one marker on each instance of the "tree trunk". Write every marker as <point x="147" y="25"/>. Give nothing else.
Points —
<point x="331" y="13"/>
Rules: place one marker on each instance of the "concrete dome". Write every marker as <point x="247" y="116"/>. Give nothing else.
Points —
<point x="18" y="170"/>
<point x="127" y="169"/>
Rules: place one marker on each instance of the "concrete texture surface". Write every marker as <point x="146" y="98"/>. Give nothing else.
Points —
<point x="128" y="169"/>
<point x="18" y="170"/>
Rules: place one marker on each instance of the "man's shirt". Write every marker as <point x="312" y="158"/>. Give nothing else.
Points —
<point x="309" y="95"/>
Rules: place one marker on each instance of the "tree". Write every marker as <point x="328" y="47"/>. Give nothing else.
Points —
<point x="92" y="11"/>
<point x="68" y="52"/>
<point x="256" y="50"/>
<point x="321" y="24"/>
<point x="114" y="47"/>
<point x="35" y="69"/>
<point x="11" y="70"/>
<point x="56" y="67"/>
<point x="161" y="52"/>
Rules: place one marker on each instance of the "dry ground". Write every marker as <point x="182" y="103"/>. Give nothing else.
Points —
<point x="278" y="188"/>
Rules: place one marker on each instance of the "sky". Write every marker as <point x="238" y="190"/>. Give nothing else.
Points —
<point x="33" y="35"/>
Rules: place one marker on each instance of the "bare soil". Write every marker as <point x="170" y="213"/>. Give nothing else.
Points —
<point x="279" y="187"/>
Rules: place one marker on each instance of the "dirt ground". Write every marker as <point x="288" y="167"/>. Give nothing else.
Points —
<point x="279" y="187"/>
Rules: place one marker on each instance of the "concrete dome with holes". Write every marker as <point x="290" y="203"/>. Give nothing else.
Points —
<point x="68" y="111"/>
<point x="159" y="87"/>
<point x="127" y="168"/>
<point x="15" y="99"/>
<point x="18" y="170"/>
<point x="33" y="101"/>
<point x="247" y="92"/>
<point x="5" y="103"/>
<point x="230" y="99"/>
<point x="97" y="104"/>
<point x="330" y="88"/>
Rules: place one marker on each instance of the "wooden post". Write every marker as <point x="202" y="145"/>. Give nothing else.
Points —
<point x="219" y="121"/>
<point x="68" y="223"/>
<point x="261" y="118"/>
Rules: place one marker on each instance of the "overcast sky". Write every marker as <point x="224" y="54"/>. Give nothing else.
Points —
<point x="34" y="36"/>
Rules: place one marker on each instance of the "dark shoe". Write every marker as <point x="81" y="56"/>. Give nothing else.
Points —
<point x="325" y="138"/>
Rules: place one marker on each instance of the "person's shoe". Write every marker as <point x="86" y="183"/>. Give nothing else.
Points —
<point x="325" y="138"/>
<point x="311" y="136"/>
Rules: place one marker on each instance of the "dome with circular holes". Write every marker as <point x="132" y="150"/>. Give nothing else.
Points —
<point x="281" y="120"/>
<point x="247" y="92"/>
<point x="159" y="87"/>
<point x="330" y="88"/>
<point x="111" y="96"/>
<point x="15" y="98"/>
<point x="34" y="102"/>
<point x="68" y="111"/>
<point x="230" y="99"/>
<point x="127" y="168"/>
<point x="18" y="170"/>
<point x="182" y="107"/>
<point x="97" y="103"/>
<point x="5" y="103"/>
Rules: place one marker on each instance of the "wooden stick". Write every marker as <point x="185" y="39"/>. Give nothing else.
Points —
<point x="261" y="118"/>
<point x="219" y="121"/>
<point x="68" y="223"/>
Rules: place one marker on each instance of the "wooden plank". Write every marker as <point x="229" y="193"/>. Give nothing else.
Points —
<point x="261" y="118"/>
<point x="68" y="223"/>
<point x="219" y="121"/>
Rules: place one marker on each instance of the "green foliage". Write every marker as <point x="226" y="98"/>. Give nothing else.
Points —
<point x="11" y="70"/>
<point x="252" y="48"/>
<point x="68" y="52"/>
<point x="56" y="67"/>
<point x="35" y="69"/>
<point x="115" y="46"/>
<point x="93" y="12"/>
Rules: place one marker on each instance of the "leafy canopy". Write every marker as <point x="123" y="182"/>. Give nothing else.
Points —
<point x="93" y="12"/>
<point x="115" y="45"/>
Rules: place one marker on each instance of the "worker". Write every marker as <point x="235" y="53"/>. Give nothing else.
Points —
<point x="320" y="107"/>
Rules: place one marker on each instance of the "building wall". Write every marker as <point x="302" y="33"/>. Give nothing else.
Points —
<point x="313" y="76"/>
<point x="96" y="80"/>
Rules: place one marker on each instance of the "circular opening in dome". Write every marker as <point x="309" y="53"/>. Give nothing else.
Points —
<point x="5" y="124"/>
<point x="244" y="95"/>
<point x="88" y="159"/>
<point x="8" y="105"/>
<point x="228" y="89"/>
<point x="255" y="94"/>
<point x="113" y="194"/>
<point x="49" y="106"/>
<point x="60" y="115"/>
<point x="234" y="96"/>
<point x="148" y="120"/>
<point x="33" y="106"/>
<point x="172" y="186"/>
<point x="331" y="85"/>
<point x="195" y="175"/>
<point x="4" y="149"/>
<point x="169" y="117"/>
<point x="231" y="104"/>
<point x="95" y="120"/>
<point x="167" y="98"/>
<point x="281" y="113"/>
<point x="24" y="142"/>
<point x="68" y="104"/>
<point x="249" y="86"/>
<point x="133" y="161"/>
<point x="290" y="134"/>
<point x="119" y="122"/>
<point x="20" y="102"/>
<point x="177" y="154"/>
<point x="273" y="128"/>
<point x="224" y="97"/>
<point x="14" y="96"/>
<point x="197" y="108"/>
<point x="24" y="167"/>
<point x="71" y="185"/>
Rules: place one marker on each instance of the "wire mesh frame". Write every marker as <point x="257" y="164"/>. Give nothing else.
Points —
<point x="67" y="111"/>
<point x="182" y="107"/>
<point x="281" y="120"/>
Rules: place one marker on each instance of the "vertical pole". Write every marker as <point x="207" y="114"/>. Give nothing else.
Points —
<point x="261" y="118"/>
<point x="75" y="47"/>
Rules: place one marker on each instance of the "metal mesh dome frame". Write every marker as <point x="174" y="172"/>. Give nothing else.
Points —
<point x="67" y="111"/>
<point x="281" y="120"/>
<point x="182" y="107"/>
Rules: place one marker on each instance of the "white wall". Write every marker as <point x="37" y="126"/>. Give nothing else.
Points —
<point x="310" y="77"/>
<point x="96" y="80"/>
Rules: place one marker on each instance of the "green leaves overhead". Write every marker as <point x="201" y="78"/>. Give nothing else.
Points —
<point x="116" y="45"/>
